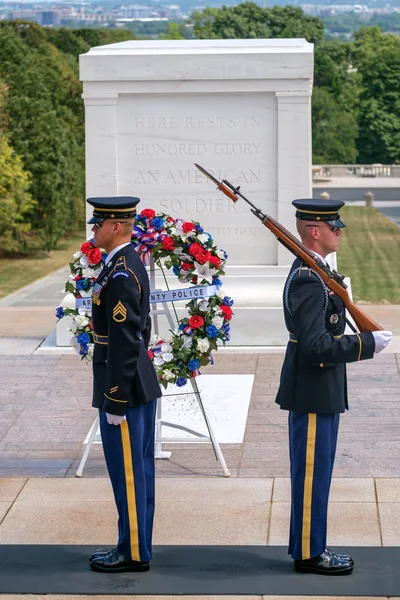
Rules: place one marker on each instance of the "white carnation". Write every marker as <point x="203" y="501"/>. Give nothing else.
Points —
<point x="221" y="254"/>
<point x="221" y="294"/>
<point x="203" y="306"/>
<point x="77" y="254"/>
<point x="84" y="261"/>
<point x="168" y="375"/>
<point x="81" y="321"/>
<point x="203" y="238"/>
<point x="218" y="322"/>
<point x="88" y="273"/>
<point x="203" y="345"/>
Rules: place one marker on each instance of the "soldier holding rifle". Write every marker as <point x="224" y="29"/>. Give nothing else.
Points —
<point x="313" y="386"/>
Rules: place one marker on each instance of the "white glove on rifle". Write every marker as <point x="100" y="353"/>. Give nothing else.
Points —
<point x="115" y="419"/>
<point x="382" y="339"/>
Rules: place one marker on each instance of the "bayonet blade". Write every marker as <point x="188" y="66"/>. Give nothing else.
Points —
<point x="207" y="174"/>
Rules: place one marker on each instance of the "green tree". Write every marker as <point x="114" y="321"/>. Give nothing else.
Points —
<point x="46" y="125"/>
<point x="249" y="20"/>
<point x="174" y="32"/>
<point x="16" y="202"/>
<point x="377" y="58"/>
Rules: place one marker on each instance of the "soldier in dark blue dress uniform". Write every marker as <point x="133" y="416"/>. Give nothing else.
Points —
<point x="313" y="386"/>
<point x="125" y="385"/>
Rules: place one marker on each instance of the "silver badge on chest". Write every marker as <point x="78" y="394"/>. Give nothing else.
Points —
<point x="333" y="319"/>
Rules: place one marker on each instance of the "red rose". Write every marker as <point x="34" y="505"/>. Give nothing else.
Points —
<point x="215" y="261"/>
<point x="168" y="243"/>
<point x="203" y="256"/>
<point x="195" y="279"/>
<point x="227" y="312"/>
<point x="186" y="266"/>
<point x="196" y="321"/>
<point x="94" y="256"/>
<point x="148" y="213"/>
<point x="151" y="355"/>
<point x="77" y="277"/>
<point x="188" y="226"/>
<point x="86" y="246"/>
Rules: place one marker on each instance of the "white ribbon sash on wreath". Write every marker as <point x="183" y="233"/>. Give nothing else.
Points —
<point x="199" y="291"/>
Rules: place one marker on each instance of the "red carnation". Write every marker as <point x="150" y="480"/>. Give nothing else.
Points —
<point x="187" y="226"/>
<point x="168" y="243"/>
<point x="203" y="256"/>
<point x="214" y="261"/>
<point x="94" y="256"/>
<point x="86" y="246"/>
<point x="186" y="266"/>
<point x="227" y="312"/>
<point x="196" y="321"/>
<point x="195" y="248"/>
<point x="148" y="213"/>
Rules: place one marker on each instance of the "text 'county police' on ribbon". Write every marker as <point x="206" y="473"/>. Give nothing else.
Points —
<point x="199" y="291"/>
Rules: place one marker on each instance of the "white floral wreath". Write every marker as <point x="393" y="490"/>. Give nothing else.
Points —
<point x="190" y="252"/>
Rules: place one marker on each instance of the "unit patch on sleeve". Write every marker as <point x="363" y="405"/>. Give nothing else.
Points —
<point x="119" y="312"/>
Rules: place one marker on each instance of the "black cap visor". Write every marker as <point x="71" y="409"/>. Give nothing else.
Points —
<point x="336" y="223"/>
<point x="94" y="220"/>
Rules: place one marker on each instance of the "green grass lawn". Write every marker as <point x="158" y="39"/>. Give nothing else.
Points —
<point x="20" y="271"/>
<point x="369" y="254"/>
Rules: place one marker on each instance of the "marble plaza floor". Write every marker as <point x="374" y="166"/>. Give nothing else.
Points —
<point x="45" y="415"/>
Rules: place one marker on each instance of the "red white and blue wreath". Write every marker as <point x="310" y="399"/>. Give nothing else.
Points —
<point x="190" y="252"/>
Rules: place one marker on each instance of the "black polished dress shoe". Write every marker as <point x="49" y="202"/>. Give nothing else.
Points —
<point x="99" y="553"/>
<point x="115" y="562"/>
<point x="344" y="557"/>
<point x="326" y="563"/>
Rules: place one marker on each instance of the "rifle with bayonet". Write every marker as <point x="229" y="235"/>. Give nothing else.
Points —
<point x="330" y="277"/>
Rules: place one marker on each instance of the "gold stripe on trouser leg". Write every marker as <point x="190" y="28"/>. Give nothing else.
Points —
<point x="308" y="486"/>
<point x="130" y="491"/>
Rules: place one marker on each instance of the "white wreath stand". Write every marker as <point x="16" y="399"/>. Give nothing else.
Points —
<point x="94" y="437"/>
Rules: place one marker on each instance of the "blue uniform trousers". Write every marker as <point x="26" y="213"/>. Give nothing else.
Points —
<point x="312" y="443"/>
<point x="129" y="453"/>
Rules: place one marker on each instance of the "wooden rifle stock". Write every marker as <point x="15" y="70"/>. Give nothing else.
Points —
<point x="332" y="280"/>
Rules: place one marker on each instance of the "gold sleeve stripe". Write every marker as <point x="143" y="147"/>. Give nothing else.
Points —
<point x="130" y="491"/>
<point x="308" y="486"/>
<point x="360" y="350"/>
<point x="115" y="400"/>
<point x="114" y="389"/>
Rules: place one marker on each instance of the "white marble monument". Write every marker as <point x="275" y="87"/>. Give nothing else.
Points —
<point x="239" y="108"/>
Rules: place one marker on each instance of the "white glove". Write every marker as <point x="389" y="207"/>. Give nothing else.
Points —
<point x="382" y="339"/>
<point x="115" y="419"/>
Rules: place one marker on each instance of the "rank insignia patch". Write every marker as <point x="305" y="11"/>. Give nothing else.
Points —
<point x="119" y="312"/>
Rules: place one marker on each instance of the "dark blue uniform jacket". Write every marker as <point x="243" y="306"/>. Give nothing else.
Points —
<point x="313" y="378"/>
<point x="123" y="373"/>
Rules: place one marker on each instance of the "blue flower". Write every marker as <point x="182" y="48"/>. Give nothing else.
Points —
<point x="217" y="281"/>
<point x="212" y="331"/>
<point x="84" y="350"/>
<point x="60" y="313"/>
<point x="193" y="365"/>
<point x="199" y="229"/>
<point x="176" y="270"/>
<point x="225" y="254"/>
<point x="226" y="328"/>
<point x="81" y="284"/>
<point x="157" y="223"/>
<point x="182" y="326"/>
<point x="181" y="381"/>
<point x="83" y="339"/>
<point x="227" y="301"/>
<point x="138" y="217"/>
